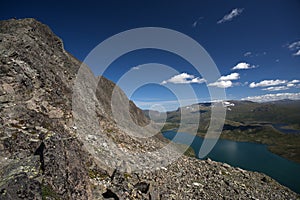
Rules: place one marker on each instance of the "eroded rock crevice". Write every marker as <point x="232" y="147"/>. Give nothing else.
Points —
<point x="40" y="152"/>
<point x="110" y="194"/>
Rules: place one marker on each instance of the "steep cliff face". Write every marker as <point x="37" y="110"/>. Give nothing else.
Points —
<point x="39" y="144"/>
<point x="104" y="94"/>
<point x="42" y="157"/>
<point x="36" y="81"/>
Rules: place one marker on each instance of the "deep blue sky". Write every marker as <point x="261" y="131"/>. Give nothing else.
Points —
<point x="262" y="34"/>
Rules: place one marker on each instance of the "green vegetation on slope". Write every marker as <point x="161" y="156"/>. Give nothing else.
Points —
<point x="251" y="122"/>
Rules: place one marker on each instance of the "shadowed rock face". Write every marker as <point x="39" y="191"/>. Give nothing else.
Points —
<point x="36" y="80"/>
<point x="41" y="156"/>
<point x="104" y="94"/>
<point x="37" y="77"/>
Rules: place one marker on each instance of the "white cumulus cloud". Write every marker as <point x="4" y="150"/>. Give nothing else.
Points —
<point x="267" y="83"/>
<point x="292" y="83"/>
<point x="135" y="68"/>
<point x="184" y="78"/>
<point x="234" y="13"/>
<point x="295" y="81"/>
<point x="225" y="81"/>
<point x="297" y="53"/>
<point x="230" y="77"/>
<point x="243" y="65"/>
<point x="273" y="97"/>
<point x="221" y="84"/>
<point x="294" y="45"/>
<point x="276" y="88"/>
<point x="247" y="54"/>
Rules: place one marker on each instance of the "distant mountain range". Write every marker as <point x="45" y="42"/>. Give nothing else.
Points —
<point x="282" y="111"/>
<point x="275" y="123"/>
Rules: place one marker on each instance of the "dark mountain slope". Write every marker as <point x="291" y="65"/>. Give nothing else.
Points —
<point x="37" y="77"/>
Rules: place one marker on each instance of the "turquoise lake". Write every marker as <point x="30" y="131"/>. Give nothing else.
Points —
<point x="249" y="156"/>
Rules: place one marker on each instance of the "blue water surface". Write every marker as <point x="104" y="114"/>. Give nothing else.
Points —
<point x="246" y="155"/>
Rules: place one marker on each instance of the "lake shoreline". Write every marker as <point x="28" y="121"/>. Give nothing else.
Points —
<point x="251" y="156"/>
<point x="276" y="144"/>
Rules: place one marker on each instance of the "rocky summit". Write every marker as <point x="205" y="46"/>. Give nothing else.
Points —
<point x="43" y="156"/>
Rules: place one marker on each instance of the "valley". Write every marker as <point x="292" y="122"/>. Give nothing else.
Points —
<point x="276" y="124"/>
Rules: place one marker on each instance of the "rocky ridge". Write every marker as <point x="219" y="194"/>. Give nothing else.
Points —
<point x="42" y="156"/>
